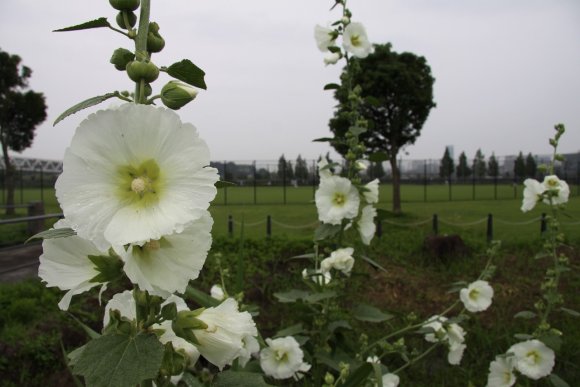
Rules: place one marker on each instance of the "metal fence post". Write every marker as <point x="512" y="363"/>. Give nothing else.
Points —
<point x="435" y="224"/>
<point x="425" y="181"/>
<point x="255" y="185"/>
<point x="225" y="186"/>
<point x="230" y="226"/>
<point x="379" y="231"/>
<point x="284" y="178"/>
<point x="21" y="187"/>
<point x="268" y="226"/>
<point x="489" y="227"/>
<point x="35" y="226"/>
<point x="543" y="224"/>
<point x="314" y="172"/>
<point x="42" y="185"/>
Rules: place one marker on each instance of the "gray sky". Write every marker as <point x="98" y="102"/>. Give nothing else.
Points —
<point x="506" y="71"/>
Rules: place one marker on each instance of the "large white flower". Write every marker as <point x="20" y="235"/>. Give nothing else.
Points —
<point x="250" y="346"/>
<point x="134" y="174"/>
<point x="532" y="194"/>
<point x="323" y="170"/>
<point x="65" y="264"/>
<point x="477" y="296"/>
<point x="324" y="37"/>
<point x="390" y="380"/>
<point x="371" y="194"/>
<point x="533" y="358"/>
<point x="501" y="372"/>
<point x="455" y="343"/>
<point x="366" y="224"/>
<point x="336" y="199"/>
<point x="166" y="265"/>
<point x="340" y="259"/>
<point x="557" y="189"/>
<point x="283" y="358"/>
<point x="227" y="328"/>
<point x="355" y="40"/>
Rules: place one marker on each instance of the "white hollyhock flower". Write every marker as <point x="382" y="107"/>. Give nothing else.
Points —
<point x="325" y="37"/>
<point x="371" y="194"/>
<point x="217" y="292"/>
<point x="533" y="358"/>
<point x="166" y="265"/>
<point x="533" y="192"/>
<point x="332" y="58"/>
<point x="124" y="303"/>
<point x="283" y="358"/>
<point x="222" y="341"/>
<point x="366" y="224"/>
<point x="559" y="189"/>
<point x="390" y="380"/>
<point x="373" y="360"/>
<point x="477" y="296"/>
<point x="65" y="264"/>
<point x="340" y="260"/>
<point x="456" y="354"/>
<point x="317" y="276"/>
<point x="250" y="346"/>
<point x="134" y="174"/>
<point x="323" y="172"/>
<point x="336" y="199"/>
<point x="455" y="340"/>
<point x="501" y="372"/>
<point x="436" y="324"/>
<point x="355" y="40"/>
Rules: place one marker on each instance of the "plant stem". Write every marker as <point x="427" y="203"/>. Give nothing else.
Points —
<point x="141" y="42"/>
<point x="415" y="360"/>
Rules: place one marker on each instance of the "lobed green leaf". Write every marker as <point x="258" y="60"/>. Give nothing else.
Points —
<point x="368" y="313"/>
<point x="83" y="105"/>
<point x="97" y="23"/>
<point x="187" y="72"/>
<point x="53" y="233"/>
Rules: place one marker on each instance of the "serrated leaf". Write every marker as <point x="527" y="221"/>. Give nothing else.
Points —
<point x="323" y="139"/>
<point x="571" y="312"/>
<point x="290" y="331"/>
<point x="331" y="86"/>
<point x="557" y="381"/>
<point x="201" y="298"/>
<point x="231" y="378"/>
<point x="291" y="295"/>
<point x="552" y="341"/>
<point x="190" y="381"/>
<point x="526" y="314"/>
<point x="357" y="130"/>
<point x="97" y="23"/>
<point x="523" y="336"/>
<point x="326" y="230"/>
<point x="119" y="360"/>
<point x="53" y="233"/>
<point x="378" y="157"/>
<point x="359" y="376"/>
<point x="334" y="49"/>
<point x="317" y="297"/>
<point x="334" y="325"/>
<point x="83" y="105"/>
<point x="304" y="256"/>
<point x="223" y="184"/>
<point x="363" y="312"/>
<point x="73" y="356"/>
<point x="373" y="263"/>
<point x="187" y="72"/>
<point x="109" y="268"/>
<point x="88" y="330"/>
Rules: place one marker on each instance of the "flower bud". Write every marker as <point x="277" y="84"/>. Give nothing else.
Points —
<point x="176" y="94"/>
<point x="155" y="42"/>
<point x="148" y="90"/>
<point x="138" y="71"/>
<point x="125" y="5"/>
<point x="185" y="323"/>
<point x="131" y="18"/>
<point x="121" y="57"/>
<point x="345" y="20"/>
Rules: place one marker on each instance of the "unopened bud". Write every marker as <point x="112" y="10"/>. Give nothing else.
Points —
<point x="146" y="71"/>
<point x="125" y="5"/>
<point x="345" y="20"/>
<point x="185" y="323"/>
<point x="131" y="18"/>
<point x="121" y="58"/>
<point x="176" y="94"/>
<point x="155" y="42"/>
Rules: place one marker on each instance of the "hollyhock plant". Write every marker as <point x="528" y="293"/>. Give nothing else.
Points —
<point x="557" y="190"/>
<point x="501" y="372"/>
<point x="533" y="192"/>
<point x="340" y="260"/>
<point x="477" y="296"/>
<point x="217" y="292"/>
<point x="336" y="199"/>
<point x="283" y="358"/>
<point x="390" y="380"/>
<point x="366" y="224"/>
<point x="371" y="192"/>
<point x="533" y="358"/>
<point x="134" y="174"/>
<point x="325" y="37"/>
<point x="66" y="264"/>
<point x="355" y="40"/>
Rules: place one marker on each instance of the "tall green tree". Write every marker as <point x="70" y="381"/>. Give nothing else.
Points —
<point x="520" y="167"/>
<point x="479" y="165"/>
<point x="21" y="111"/>
<point x="463" y="170"/>
<point x="301" y="169"/>
<point x="447" y="165"/>
<point x="531" y="166"/>
<point x="397" y="92"/>
<point x="492" y="166"/>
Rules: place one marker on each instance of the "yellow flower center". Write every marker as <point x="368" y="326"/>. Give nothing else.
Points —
<point x="534" y="357"/>
<point x="553" y="183"/>
<point x="140" y="185"/>
<point x="153" y="245"/>
<point x="355" y="40"/>
<point x="474" y="294"/>
<point x="339" y="199"/>
<point x="281" y="356"/>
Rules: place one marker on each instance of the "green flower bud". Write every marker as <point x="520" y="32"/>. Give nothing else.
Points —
<point x="148" y="90"/>
<point x="329" y="378"/>
<point x="121" y="57"/>
<point x="131" y="18"/>
<point x="169" y="311"/>
<point x="176" y="94"/>
<point x="185" y="323"/>
<point x="174" y="362"/>
<point x="125" y="5"/>
<point x="155" y="42"/>
<point x="138" y="71"/>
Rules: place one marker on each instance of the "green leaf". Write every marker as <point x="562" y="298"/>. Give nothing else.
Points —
<point x="119" y="360"/>
<point x="53" y="233"/>
<point x="109" y="268"/>
<point x="334" y="49"/>
<point x="363" y="312"/>
<point x="190" y="380"/>
<point x="571" y="312"/>
<point x="304" y="256"/>
<point x="73" y="356"/>
<point x="526" y="314"/>
<point x="334" y="325"/>
<point x="223" y="184"/>
<point x="558" y="381"/>
<point x="317" y="297"/>
<point x="378" y="157"/>
<point x="323" y="139"/>
<point x="83" y="105"/>
<point x="373" y="263"/>
<point x="551" y="340"/>
<point x="231" y="378"/>
<point x="187" y="72"/>
<point x="359" y="376"/>
<point x="326" y="230"/>
<point x="201" y="298"/>
<point x="523" y="336"/>
<point x="290" y="331"/>
<point x="357" y="130"/>
<point x="331" y="86"/>
<point x="291" y="295"/>
<point x="88" y="330"/>
<point x="97" y="23"/>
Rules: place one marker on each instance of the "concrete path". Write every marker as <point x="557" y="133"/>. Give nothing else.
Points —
<point x="19" y="262"/>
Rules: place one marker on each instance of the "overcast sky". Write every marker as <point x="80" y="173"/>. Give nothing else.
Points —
<point x="506" y="71"/>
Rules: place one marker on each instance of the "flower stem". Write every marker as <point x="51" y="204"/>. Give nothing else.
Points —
<point x="141" y="43"/>
<point x="415" y="360"/>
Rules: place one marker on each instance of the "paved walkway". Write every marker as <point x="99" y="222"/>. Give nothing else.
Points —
<point x="19" y="262"/>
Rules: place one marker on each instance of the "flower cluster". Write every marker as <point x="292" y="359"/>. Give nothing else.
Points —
<point x="354" y="40"/>
<point x="551" y="191"/>
<point x="450" y="334"/>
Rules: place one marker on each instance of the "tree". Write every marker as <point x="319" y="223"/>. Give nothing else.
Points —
<point x="520" y="166"/>
<point x="492" y="166"/>
<point x="397" y="92"/>
<point x="377" y="170"/>
<point x="285" y="170"/>
<point x="479" y="166"/>
<point x="447" y="165"/>
<point x="463" y="170"/>
<point x="20" y="112"/>
<point x="301" y="169"/>
<point x="531" y="166"/>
